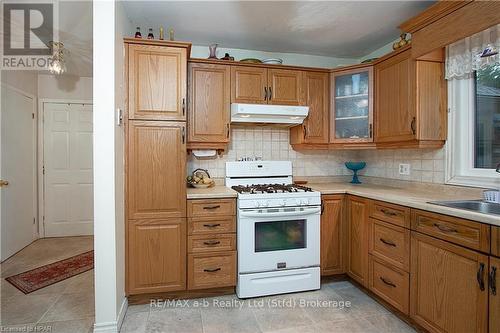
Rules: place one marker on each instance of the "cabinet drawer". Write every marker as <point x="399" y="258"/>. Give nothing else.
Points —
<point x="463" y="232"/>
<point x="210" y="270"/>
<point x="208" y="243"/>
<point x="211" y="225"/>
<point x="394" y="214"/>
<point x="389" y="283"/>
<point x="390" y="243"/>
<point x="211" y="207"/>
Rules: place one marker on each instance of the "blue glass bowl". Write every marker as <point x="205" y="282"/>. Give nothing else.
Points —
<point x="355" y="167"/>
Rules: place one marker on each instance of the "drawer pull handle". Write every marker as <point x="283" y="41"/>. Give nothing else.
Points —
<point x="212" y="270"/>
<point x="388" y="212"/>
<point x="211" y="242"/>
<point x="213" y="225"/>
<point x="387" y="242"/>
<point x="445" y="229"/>
<point x="493" y="280"/>
<point x="479" y="276"/>
<point x="211" y="207"/>
<point x="389" y="283"/>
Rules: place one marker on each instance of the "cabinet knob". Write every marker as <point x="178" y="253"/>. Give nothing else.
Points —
<point x="3" y="183"/>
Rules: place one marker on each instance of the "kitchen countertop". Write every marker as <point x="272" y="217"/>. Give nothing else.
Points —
<point x="404" y="196"/>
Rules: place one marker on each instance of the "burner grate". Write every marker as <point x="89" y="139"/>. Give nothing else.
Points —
<point x="270" y="188"/>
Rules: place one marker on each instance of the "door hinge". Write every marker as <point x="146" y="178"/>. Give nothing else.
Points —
<point x="34" y="221"/>
<point x="33" y="115"/>
<point x="43" y="170"/>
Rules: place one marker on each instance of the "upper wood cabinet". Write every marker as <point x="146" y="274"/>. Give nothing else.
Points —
<point x="258" y="85"/>
<point x="332" y="235"/>
<point x="449" y="286"/>
<point x="351" y="117"/>
<point x="410" y="97"/>
<point x="156" y="256"/>
<point x="284" y="87"/>
<point x="156" y="82"/>
<point x="248" y="85"/>
<point x="357" y="235"/>
<point x="156" y="164"/>
<point x="315" y="128"/>
<point x="494" y="281"/>
<point x="209" y="103"/>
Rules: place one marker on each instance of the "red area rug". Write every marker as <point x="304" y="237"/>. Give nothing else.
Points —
<point x="47" y="275"/>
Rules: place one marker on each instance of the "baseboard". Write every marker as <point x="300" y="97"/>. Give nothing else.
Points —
<point x="114" y="326"/>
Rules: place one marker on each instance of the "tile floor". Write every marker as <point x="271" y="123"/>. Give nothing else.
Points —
<point x="67" y="306"/>
<point x="324" y="310"/>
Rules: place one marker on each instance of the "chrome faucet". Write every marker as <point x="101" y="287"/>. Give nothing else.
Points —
<point x="498" y="168"/>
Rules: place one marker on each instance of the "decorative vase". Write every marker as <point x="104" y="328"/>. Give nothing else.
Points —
<point x="355" y="167"/>
<point x="213" y="51"/>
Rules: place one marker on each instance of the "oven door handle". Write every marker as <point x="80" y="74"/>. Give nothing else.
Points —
<point x="304" y="212"/>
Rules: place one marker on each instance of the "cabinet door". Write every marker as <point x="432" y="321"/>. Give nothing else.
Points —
<point x="494" y="295"/>
<point x="156" y="82"/>
<point x="357" y="249"/>
<point x="316" y="98"/>
<point x="209" y="103"/>
<point x="156" y="169"/>
<point x="248" y="85"/>
<point x="352" y="106"/>
<point x="285" y="87"/>
<point x="495" y="241"/>
<point x="395" y="112"/>
<point x="332" y="235"/>
<point x="446" y="295"/>
<point x="156" y="256"/>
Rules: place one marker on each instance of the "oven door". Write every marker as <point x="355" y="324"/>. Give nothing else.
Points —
<point x="278" y="238"/>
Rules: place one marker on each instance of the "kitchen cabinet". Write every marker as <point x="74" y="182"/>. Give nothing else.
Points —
<point x="352" y="106"/>
<point x="332" y="235"/>
<point x="357" y="235"/>
<point x="284" y="87"/>
<point x="156" y="255"/>
<point x="156" y="81"/>
<point x="411" y="100"/>
<point x="315" y="128"/>
<point x="260" y="85"/>
<point x="495" y="241"/>
<point x="156" y="169"/>
<point x="494" y="283"/>
<point x="209" y="104"/>
<point x="448" y="286"/>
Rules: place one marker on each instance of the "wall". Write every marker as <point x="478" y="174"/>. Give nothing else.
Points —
<point x="64" y="87"/>
<point x="22" y="80"/>
<point x="426" y="165"/>
<point x="387" y="48"/>
<point x="272" y="143"/>
<point x="296" y="59"/>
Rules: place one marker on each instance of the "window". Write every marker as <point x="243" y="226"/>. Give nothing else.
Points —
<point x="487" y="117"/>
<point x="473" y="148"/>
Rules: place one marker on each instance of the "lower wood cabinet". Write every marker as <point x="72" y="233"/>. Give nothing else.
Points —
<point x="448" y="286"/>
<point x="211" y="270"/>
<point x="156" y="256"/>
<point x="389" y="283"/>
<point x="494" y="284"/>
<point x="495" y="241"/>
<point x="332" y="235"/>
<point x="357" y="239"/>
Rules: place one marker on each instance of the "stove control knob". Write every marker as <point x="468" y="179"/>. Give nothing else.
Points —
<point x="256" y="204"/>
<point x="264" y="203"/>
<point x="304" y="202"/>
<point x="283" y="202"/>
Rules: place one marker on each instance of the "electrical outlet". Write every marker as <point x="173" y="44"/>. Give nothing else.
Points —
<point x="404" y="169"/>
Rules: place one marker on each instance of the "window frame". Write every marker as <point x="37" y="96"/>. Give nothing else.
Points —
<point x="460" y="147"/>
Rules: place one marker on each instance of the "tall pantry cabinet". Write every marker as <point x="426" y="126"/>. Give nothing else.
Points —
<point x="156" y="75"/>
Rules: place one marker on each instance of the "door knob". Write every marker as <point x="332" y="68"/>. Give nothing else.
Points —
<point x="3" y="183"/>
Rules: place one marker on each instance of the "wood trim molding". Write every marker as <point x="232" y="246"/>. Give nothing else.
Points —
<point x="431" y="14"/>
<point x="246" y="64"/>
<point x="158" y="42"/>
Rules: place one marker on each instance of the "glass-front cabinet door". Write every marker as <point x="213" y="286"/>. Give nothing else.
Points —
<point x="352" y="106"/>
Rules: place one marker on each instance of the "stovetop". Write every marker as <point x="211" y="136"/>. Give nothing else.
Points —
<point x="271" y="188"/>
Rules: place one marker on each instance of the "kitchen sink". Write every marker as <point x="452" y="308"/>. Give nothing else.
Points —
<point x="478" y="206"/>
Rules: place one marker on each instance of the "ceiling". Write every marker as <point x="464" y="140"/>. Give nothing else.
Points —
<point x="350" y="29"/>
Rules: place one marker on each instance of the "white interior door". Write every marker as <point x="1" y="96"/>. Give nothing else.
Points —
<point x="18" y="168"/>
<point x="68" y="182"/>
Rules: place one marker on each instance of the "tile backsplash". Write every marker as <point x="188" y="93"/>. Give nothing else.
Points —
<point x="273" y="143"/>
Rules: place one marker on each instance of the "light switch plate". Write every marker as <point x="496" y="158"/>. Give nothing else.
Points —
<point x="404" y="169"/>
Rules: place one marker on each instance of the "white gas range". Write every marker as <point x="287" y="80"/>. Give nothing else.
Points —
<point x="278" y="229"/>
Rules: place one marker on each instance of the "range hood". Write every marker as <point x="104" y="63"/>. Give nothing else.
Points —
<point x="268" y="114"/>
